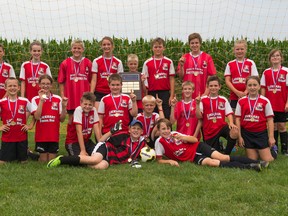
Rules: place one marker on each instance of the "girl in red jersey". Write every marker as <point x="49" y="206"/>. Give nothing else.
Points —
<point x="196" y="66"/>
<point x="32" y="70"/>
<point x="49" y="110"/>
<point x="14" y="112"/>
<point x="103" y="67"/>
<point x="237" y="71"/>
<point x="184" y="112"/>
<point x="179" y="147"/>
<point x="254" y="118"/>
<point x="6" y="70"/>
<point x="274" y="82"/>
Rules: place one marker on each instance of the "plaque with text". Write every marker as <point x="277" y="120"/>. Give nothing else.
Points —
<point x="132" y="80"/>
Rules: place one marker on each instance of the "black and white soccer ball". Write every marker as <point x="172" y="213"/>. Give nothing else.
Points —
<point x="147" y="154"/>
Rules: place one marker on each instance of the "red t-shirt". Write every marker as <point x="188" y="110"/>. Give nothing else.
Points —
<point x="6" y="70"/>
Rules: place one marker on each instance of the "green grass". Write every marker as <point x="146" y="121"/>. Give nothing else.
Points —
<point x="32" y="189"/>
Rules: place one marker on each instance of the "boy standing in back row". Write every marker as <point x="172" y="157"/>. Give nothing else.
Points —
<point x="159" y="71"/>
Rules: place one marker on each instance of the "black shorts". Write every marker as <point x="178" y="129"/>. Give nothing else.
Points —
<point x="102" y="149"/>
<point x="233" y="103"/>
<point x="70" y="112"/>
<point x="11" y="151"/>
<point x="164" y="95"/>
<point x="214" y="141"/>
<point x="280" y="117"/>
<point x="255" y="140"/>
<point x="99" y="95"/>
<point x="47" y="147"/>
<point x="203" y="151"/>
<point x="74" y="148"/>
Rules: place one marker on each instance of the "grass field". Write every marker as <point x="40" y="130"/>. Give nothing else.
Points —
<point x="155" y="189"/>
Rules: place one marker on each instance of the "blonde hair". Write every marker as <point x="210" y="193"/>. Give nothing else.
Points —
<point x="78" y="41"/>
<point x="149" y="98"/>
<point x="132" y="57"/>
<point x="188" y="83"/>
<point x="241" y="41"/>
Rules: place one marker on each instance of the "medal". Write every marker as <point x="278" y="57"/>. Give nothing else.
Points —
<point x="129" y="160"/>
<point x="75" y="79"/>
<point x="214" y="120"/>
<point x="34" y="74"/>
<point x="157" y="69"/>
<point x="187" y="114"/>
<point x="240" y="70"/>
<point x="33" y="83"/>
<point x="252" y="109"/>
<point x="13" y="113"/>
<point x="117" y="106"/>
<point x="252" y="119"/>
<point x="275" y="79"/>
<point x="187" y="124"/>
<point x="44" y="96"/>
<point x="240" y="80"/>
<point x="195" y="73"/>
<point x="274" y="91"/>
<point x="116" y="114"/>
<point x="13" y="123"/>
<point x="156" y="76"/>
<point x="108" y="78"/>
<point x="108" y="69"/>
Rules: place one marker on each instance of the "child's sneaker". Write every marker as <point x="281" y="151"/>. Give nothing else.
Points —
<point x="135" y="164"/>
<point x="54" y="162"/>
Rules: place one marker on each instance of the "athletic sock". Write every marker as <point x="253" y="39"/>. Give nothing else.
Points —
<point x="70" y="160"/>
<point x="242" y="159"/>
<point x="283" y="140"/>
<point x="276" y="136"/>
<point x="230" y="145"/>
<point x="234" y="164"/>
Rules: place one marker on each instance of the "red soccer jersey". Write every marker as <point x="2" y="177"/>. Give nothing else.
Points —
<point x="175" y="149"/>
<point x="158" y="72"/>
<point x="275" y="84"/>
<point x="197" y="71"/>
<point x="214" y="110"/>
<point x="14" y="112"/>
<point x="87" y="120"/>
<point x="253" y="113"/>
<point x="30" y="73"/>
<point x="239" y="71"/>
<point x="113" y="109"/>
<point x="76" y="77"/>
<point x="148" y="122"/>
<point x="6" y="70"/>
<point x="48" y="126"/>
<point x="103" y="67"/>
<point x="185" y="114"/>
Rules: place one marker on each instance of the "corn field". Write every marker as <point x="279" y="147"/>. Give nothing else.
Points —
<point x="16" y="52"/>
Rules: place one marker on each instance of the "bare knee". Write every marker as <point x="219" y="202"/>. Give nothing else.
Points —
<point x="210" y="162"/>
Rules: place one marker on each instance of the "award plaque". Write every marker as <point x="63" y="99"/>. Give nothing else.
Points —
<point x="132" y="81"/>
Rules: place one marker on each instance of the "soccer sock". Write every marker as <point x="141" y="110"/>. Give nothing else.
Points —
<point x="242" y="159"/>
<point x="276" y="136"/>
<point x="283" y="140"/>
<point x="230" y="145"/>
<point x="234" y="164"/>
<point x="70" y="160"/>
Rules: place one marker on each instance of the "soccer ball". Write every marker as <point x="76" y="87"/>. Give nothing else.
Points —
<point x="147" y="154"/>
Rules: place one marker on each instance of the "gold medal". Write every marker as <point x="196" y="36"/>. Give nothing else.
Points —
<point x="44" y="96"/>
<point x="195" y="73"/>
<point x="147" y="139"/>
<point x="33" y="84"/>
<point x="75" y="79"/>
<point x="274" y="91"/>
<point x="108" y="77"/>
<point x="214" y="120"/>
<point x="157" y="76"/>
<point x="13" y="123"/>
<point x="116" y="114"/>
<point x="129" y="160"/>
<point x="252" y="119"/>
<point x="240" y="80"/>
<point x="187" y="124"/>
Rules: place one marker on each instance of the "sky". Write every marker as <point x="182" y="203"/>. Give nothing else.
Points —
<point x="132" y="19"/>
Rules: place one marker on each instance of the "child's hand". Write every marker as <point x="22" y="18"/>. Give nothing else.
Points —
<point x="241" y="142"/>
<point x="42" y="94"/>
<point x="173" y="163"/>
<point x="198" y="99"/>
<point x="271" y="141"/>
<point x="4" y="128"/>
<point x="64" y="101"/>
<point x="25" y="128"/>
<point x="158" y="101"/>
<point x="83" y="153"/>
<point x="133" y="96"/>
<point x="143" y="78"/>
<point x="182" y="61"/>
<point x="174" y="101"/>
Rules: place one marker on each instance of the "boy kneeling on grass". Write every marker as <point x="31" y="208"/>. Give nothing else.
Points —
<point x="179" y="147"/>
<point x="110" y="150"/>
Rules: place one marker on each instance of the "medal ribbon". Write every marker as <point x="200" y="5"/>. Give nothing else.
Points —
<point x="252" y="109"/>
<point x="9" y="106"/>
<point x="149" y="125"/>
<point x="194" y="61"/>
<point x="131" y="152"/>
<point x="277" y="76"/>
<point x="185" y="112"/>
<point x="77" y="70"/>
<point x="86" y="121"/>
<point x="155" y="66"/>
<point x="110" y="66"/>
<point x="238" y="68"/>
<point x="116" y="107"/>
<point x="211" y="106"/>
<point x="32" y="70"/>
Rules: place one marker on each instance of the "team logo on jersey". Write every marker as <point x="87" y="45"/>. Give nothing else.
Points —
<point x="259" y="107"/>
<point x="165" y="66"/>
<point x="124" y="103"/>
<point x="86" y="70"/>
<point x="204" y="64"/>
<point x="5" y="73"/>
<point x="54" y="106"/>
<point x="246" y="69"/>
<point x="21" y="109"/>
<point x="91" y="120"/>
<point x="41" y="71"/>
<point x="281" y="78"/>
<point x="221" y="106"/>
<point x="179" y="152"/>
<point x="114" y="66"/>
